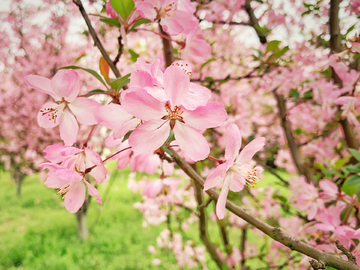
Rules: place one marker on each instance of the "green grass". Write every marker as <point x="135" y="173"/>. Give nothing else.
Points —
<point x="37" y="232"/>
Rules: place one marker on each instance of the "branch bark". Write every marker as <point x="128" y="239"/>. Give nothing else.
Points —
<point x="335" y="46"/>
<point x="167" y="48"/>
<point x="275" y="233"/>
<point x="96" y="39"/>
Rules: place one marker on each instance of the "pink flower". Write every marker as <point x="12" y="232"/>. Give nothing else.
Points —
<point x="68" y="177"/>
<point x="70" y="186"/>
<point x="236" y="171"/>
<point x="64" y="87"/>
<point x="173" y="20"/>
<point x="162" y="117"/>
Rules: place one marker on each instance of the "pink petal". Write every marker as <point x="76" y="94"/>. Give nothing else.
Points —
<point x="69" y="175"/>
<point x="191" y="142"/>
<point x="188" y="21"/>
<point x="131" y="124"/>
<point x="51" y="119"/>
<point x="93" y="192"/>
<point x="66" y="83"/>
<point x="68" y="128"/>
<point x="211" y="115"/>
<point x="84" y="109"/>
<point x="146" y="10"/>
<point x="236" y="182"/>
<point x="112" y="115"/>
<point x="343" y="100"/>
<point x="99" y="173"/>
<point x="197" y="96"/>
<point x="53" y="181"/>
<point x="53" y="153"/>
<point x="149" y="136"/>
<point x="153" y="188"/>
<point x="75" y="197"/>
<point x="171" y="25"/>
<point x="142" y="105"/>
<point x="221" y="203"/>
<point x="41" y="84"/>
<point x="233" y="141"/>
<point x="215" y="177"/>
<point x="141" y="78"/>
<point x="250" y="149"/>
<point x="176" y="84"/>
<point x="69" y="151"/>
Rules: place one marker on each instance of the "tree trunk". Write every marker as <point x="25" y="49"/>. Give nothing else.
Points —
<point x="18" y="177"/>
<point x="83" y="231"/>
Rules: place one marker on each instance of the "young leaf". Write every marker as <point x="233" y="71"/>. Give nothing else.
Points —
<point x="111" y="21"/>
<point x="123" y="7"/>
<point x="104" y="68"/>
<point x="120" y="82"/>
<point x="272" y="45"/>
<point x="355" y="153"/>
<point x="353" y="180"/>
<point x="92" y="72"/>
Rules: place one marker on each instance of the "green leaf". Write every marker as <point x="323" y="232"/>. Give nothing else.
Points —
<point x="207" y="62"/>
<point x="272" y="45"/>
<point x="308" y="94"/>
<point x="134" y="55"/>
<point x="92" y="72"/>
<point x="348" y="189"/>
<point x="127" y="135"/>
<point x="353" y="168"/>
<point x="357" y="56"/>
<point x="350" y="29"/>
<point x="95" y="91"/>
<point x="139" y="22"/>
<point x="355" y="153"/>
<point x="353" y="180"/>
<point x="294" y="93"/>
<point x="123" y="7"/>
<point x="120" y="82"/>
<point x="111" y="21"/>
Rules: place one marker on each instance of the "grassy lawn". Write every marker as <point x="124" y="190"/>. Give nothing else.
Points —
<point x="37" y="232"/>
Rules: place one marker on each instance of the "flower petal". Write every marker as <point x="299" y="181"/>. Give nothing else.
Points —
<point x="84" y="109"/>
<point x="41" y="84"/>
<point x="250" y="149"/>
<point x="215" y="177"/>
<point x="233" y="141"/>
<point x="221" y="203"/>
<point x="142" y="105"/>
<point x="75" y="197"/>
<point x="211" y="115"/>
<point x="93" y="192"/>
<point x="176" y="84"/>
<point x="53" y="153"/>
<point x="68" y="128"/>
<point x="149" y="136"/>
<point x="66" y="84"/>
<point x="192" y="142"/>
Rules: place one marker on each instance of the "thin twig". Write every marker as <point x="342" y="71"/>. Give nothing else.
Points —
<point x="96" y="39"/>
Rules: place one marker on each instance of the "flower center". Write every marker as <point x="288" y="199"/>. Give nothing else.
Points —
<point x="166" y="11"/>
<point x="65" y="189"/>
<point x="53" y="113"/>
<point x="173" y="114"/>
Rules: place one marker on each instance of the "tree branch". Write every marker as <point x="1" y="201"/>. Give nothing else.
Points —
<point x="202" y="226"/>
<point x="96" y="39"/>
<point x="167" y="47"/>
<point x="254" y="22"/>
<point x="335" y="46"/>
<point x="275" y="233"/>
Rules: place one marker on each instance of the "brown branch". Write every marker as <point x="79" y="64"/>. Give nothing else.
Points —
<point x="275" y="233"/>
<point x="117" y="58"/>
<point x="167" y="47"/>
<point x="242" y="246"/>
<point x="96" y="39"/>
<point x="294" y="148"/>
<point x="347" y="253"/>
<point x="254" y="22"/>
<point x="202" y="226"/>
<point x="223" y="233"/>
<point x="335" y="46"/>
<point x="205" y="204"/>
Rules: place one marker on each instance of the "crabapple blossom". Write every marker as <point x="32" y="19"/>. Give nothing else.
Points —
<point x="68" y="108"/>
<point x="236" y="171"/>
